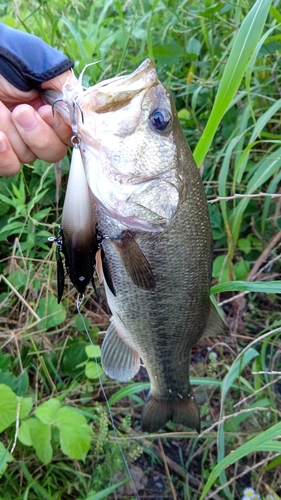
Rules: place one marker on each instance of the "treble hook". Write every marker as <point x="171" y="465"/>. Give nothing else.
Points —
<point x="75" y="104"/>
<point x="54" y="103"/>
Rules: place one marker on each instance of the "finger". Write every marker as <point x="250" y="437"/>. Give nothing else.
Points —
<point x="37" y="134"/>
<point x="9" y="162"/>
<point x="24" y="154"/>
<point x="11" y="96"/>
<point x="56" y="123"/>
<point x="58" y="82"/>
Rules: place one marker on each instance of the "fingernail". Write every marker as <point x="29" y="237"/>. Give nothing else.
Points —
<point x="26" y="120"/>
<point x="3" y="145"/>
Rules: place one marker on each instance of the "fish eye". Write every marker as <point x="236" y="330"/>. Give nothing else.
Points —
<point x="160" y="119"/>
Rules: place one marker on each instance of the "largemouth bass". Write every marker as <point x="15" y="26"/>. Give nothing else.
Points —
<point x="152" y="222"/>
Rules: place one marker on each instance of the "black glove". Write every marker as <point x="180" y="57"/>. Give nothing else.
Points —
<point x="26" y="61"/>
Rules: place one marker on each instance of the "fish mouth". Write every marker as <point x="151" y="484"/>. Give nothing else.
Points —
<point x="107" y="95"/>
<point x="114" y="93"/>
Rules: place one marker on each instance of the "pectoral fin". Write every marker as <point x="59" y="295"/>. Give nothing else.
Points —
<point x="215" y="325"/>
<point x="135" y="262"/>
<point x="118" y="360"/>
<point x="106" y="273"/>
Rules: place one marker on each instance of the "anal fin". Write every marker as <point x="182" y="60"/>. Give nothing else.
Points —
<point x="215" y="325"/>
<point x="118" y="360"/>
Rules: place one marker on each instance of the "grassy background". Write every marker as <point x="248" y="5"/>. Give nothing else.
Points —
<point x="221" y="61"/>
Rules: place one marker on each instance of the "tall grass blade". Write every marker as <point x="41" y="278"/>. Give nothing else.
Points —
<point x="238" y="61"/>
<point x="104" y="493"/>
<point x="235" y="370"/>
<point x="247" y="286"/>
<point x="267" y="167"/>
<point x="260" y="442"/>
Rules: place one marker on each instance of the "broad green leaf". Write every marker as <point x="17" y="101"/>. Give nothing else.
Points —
<point x="74" y="357"/>
<point x="68" y="415"/>
<point x="51" y="312"/>
<point x="18" y="279"/>
<point x="8" y="407"/>
<point x="193" y="46"/>
<point x="48" y="411"/>
<point x="18" y="384"/>
<point x="5" y="361"/>
<point x="221" y="268"/>
<point x="5" y="458"/>
<point x="168" y="52"/>
<point x="93" y="351"/>
<point x="25" y="406"/>
<point x="24" y="431"/>
<point x="75" y="444"/>
<point x="245" y="244"/>
<point x="93" y="370"/>
<point x="81" y="322"/>
<point x="241" y="269"/>
<point x="184" y="114"/>
<point x="75" y="433"/>
<point x="40" y="434"/>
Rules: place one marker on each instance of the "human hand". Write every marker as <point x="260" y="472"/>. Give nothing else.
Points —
<point x="28" y="129"/>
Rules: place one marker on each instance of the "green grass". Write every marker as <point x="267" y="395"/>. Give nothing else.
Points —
<point x="221" y="62"/>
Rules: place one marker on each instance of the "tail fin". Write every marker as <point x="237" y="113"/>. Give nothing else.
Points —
<point x="158" y="411"/>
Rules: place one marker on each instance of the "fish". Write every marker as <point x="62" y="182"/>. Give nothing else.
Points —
<point x="155" y="247"/>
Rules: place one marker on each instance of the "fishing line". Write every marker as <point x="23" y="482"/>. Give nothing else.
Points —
<point x="78" y="304"/>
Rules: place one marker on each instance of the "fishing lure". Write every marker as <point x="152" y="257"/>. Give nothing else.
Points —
<point x="77" y="235"/>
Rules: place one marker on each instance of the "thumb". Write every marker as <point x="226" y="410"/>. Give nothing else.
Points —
<point x="58" y="82"/>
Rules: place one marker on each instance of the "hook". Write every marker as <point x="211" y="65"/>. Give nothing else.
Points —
<point x="53" y="105"/>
